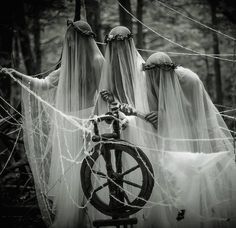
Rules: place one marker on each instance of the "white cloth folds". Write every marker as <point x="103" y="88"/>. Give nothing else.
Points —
<point x="194" y="150"/>
<point x="56" y="125"/>
<point x="122" y="75"/>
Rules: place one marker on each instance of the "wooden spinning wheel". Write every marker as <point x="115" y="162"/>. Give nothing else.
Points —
<point x="113" y="151"/>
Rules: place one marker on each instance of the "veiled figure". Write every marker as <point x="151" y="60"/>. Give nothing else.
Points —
<point x="122" y="72"/>
<point x="56" y="111"/>
<point x="195" y="150"/>
<point x="123" y="77"/>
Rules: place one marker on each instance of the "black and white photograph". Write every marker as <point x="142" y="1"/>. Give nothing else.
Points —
<point x="118" y="113"/>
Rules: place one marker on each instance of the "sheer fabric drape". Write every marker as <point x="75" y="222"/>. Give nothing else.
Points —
<point x="194" y="151"/>
<point x="122" y="75"/>
<point x="56" y="111"/>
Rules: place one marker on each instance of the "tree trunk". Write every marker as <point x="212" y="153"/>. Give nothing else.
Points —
<point x="23" y="32"/>
<point x="208" y="78"/>
<point x="140" y="26"/>
<point x="37" y="36"/>
<point x="94" y="18"/>
<point x="125" y="18"/>
<point x="77" y="10"/>
<point x="16" y="51"/>
<point x="218" y="83"/>
<point x="6" y="38"/>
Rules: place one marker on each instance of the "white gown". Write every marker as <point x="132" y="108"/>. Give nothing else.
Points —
<point x="194" y="153"/>
<point x="56" y="111"/>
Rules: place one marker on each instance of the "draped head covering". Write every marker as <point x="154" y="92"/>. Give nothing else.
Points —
<point x="80" y="69"/>
<point x="54" y="126"/>
<point x="153" y="65"/>
<point x="195" y="147"/>
<point x="122" y="73"/>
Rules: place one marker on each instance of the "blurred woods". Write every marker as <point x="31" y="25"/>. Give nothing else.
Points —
<point x="31" y="36"/>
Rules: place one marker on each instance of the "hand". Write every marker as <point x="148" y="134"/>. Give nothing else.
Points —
<point x="152" y="117"/>
<point x="107" y="96"/>
<point x="7" y="71"/>
<point x="127" y="110"/>
<point x="124" y="123"/>
<point x="3" y="70"/>
<point x="115" y="106"/>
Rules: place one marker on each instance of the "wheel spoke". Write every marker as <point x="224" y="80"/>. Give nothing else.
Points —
<point x="100" y="187"/>
<point x="101" y="174"/>
<point x="126" y="198"/>
<point x="130" y="170"/>
<point x="132" y="183"/>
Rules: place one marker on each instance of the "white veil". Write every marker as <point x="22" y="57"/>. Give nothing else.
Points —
<point x="122" y="71"/>
<point x="194" y="147"/>
<point x="54" y="128"/>
<point x="122" y="75"/>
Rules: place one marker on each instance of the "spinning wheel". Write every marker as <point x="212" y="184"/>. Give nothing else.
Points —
<point x="119" y="202"/>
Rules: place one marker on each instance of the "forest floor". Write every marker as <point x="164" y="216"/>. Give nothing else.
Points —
<point x="18" y="203"/>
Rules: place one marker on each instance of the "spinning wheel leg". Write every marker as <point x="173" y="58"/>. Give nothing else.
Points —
<point x="110" y="171"/>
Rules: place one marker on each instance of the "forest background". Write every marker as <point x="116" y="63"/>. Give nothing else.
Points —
<point x="31" y="38"/>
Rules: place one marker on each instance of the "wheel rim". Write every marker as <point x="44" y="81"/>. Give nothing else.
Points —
<point x="130" y="206"/>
